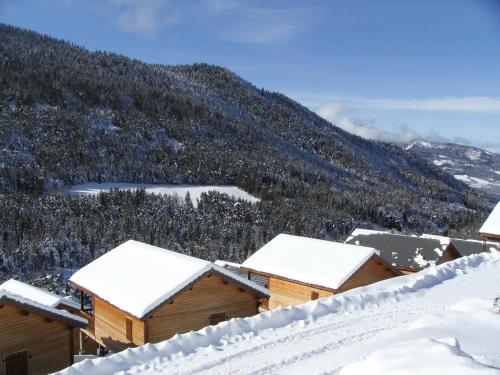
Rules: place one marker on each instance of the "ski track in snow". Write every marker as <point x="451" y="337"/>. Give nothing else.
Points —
<point x="304" y="344"/>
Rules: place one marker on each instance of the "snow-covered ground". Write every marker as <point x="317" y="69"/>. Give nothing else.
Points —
<point x="94" y="188"/>
<point x="475" y="182"/>
<point x="440" y="320"/>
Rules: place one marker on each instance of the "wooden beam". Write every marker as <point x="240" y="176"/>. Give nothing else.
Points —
<point x="71" y="346"/>
<point x="82" y="300"/>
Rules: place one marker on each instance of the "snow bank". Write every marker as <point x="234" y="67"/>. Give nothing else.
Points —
<point x="94" y="188"/>
<point x="309" y="260"/>
<point x="424" y="356"/>
<point x="154" y="359"/>
<point x="492" y="224"/>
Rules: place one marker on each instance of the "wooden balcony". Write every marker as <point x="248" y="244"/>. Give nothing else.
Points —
<point x="89" y="315"/>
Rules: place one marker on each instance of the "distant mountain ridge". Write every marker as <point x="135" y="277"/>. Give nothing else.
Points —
<point x="478" y="168"/>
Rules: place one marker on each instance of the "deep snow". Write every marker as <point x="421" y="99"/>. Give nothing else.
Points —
<point x="492" y="224"/>
<point x="137" y="277"/>
<point x="309" y="260"/>
<point x="448" y="307"/>
<point x="94" y="188"/>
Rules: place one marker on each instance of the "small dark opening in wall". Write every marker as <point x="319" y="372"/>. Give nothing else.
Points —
<point x="217" y="318"/>
<point x="128" y="328"/>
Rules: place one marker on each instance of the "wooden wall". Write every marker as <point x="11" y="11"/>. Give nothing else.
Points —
<point x="406" y="271"/>
<point x="287" y="293"/>
<point x="110" y="326"/>
<point x="191" y="309"/>
<point x="372" y="271"/>
<point x="447" y="256"/>
<point x="47" y="343"/>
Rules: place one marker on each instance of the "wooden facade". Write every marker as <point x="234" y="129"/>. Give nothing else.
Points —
<point x="210" y="299"/>
<point x="288" y="292"/>
<point x="34" y="342"/>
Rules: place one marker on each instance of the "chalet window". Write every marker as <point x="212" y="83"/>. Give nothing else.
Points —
<point x="16" y="363"/>
<point x="217" y="318"/>
<point x="314" y="295"/>
<point x="128" y="328"/>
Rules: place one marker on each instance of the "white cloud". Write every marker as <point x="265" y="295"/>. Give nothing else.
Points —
<point x="145" y="17"/>
<point x="239" y="21"/>
<point x="335" y="112"/>
<point x="243" y="22"/>
<point x="482" y="104"/>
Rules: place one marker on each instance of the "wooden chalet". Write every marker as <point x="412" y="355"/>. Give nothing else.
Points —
<point x="40" y="295"/>
<point x="408" y="254"/>
<point x="35" y="337"/>
<point x="462" y="248"/>
<point x="140" y="294"/>
<point x="491" y="227"/>
<point x="300" y="269"/>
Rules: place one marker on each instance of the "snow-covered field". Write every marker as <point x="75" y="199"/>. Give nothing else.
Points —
<point x="94" y="188"/>
<point x="474" y="181"/>
<point x="440" y="320"/>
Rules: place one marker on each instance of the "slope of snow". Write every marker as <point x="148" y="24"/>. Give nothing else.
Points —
<point x="423" y="356"/>
<point x="492" y="224"/>
<point x="137" y="277"/>
<point x="450" y="304"/>
<point x="94" y="188"/>
<point x="475" y="182"/>
<point x="33" y="293"/>
<point x="309" y="260"/>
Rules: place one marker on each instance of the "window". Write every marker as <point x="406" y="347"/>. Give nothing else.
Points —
<point x="314" y="295"/>
<point x="217" y="318"/>
<point x="16" y="363"/>
<point x="128" y="328"/>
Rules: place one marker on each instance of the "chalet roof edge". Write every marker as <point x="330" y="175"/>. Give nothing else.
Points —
<point x="45" y="310"/>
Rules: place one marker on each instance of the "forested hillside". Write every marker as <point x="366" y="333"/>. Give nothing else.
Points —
<point x="69" y="116"/>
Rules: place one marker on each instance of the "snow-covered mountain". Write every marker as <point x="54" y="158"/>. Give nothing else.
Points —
<point x="476" y="167"/>
<point x="438" y="321"/>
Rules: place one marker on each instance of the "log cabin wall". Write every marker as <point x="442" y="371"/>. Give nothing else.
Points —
<point x="111" y="326"/>
<point x="287" y="293"/>
<point x="406" y="271"/>
<point x="372" y="271"/>
<point x="192" y="309"/>
<point x="47" y="341"/>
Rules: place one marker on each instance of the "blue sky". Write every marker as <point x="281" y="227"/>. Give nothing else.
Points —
<point x="384" y="69"/>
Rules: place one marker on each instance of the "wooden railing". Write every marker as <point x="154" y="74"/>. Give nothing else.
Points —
<point x="89" y="315"/>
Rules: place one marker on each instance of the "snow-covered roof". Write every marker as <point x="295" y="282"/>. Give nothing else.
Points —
<point x="325" y="335"/>
<point x="366" y="232"/>
<point x="137" y="277"/>
<point x="308" y="260"/>
<point x="225" y="264"/>
<point x="46" y="310"/>
<point x="492" y="224"/>
<point x="33" y="293"/>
